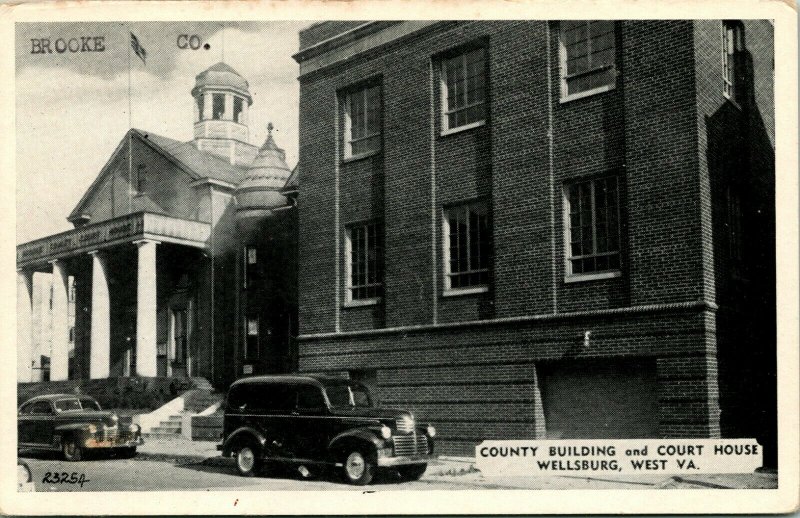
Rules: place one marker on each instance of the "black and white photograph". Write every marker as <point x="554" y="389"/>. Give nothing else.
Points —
<point x="401" y="258"/>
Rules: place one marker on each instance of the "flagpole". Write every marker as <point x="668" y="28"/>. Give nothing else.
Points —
<point x="130" y="139"/>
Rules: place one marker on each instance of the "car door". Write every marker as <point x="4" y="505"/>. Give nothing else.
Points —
<point x="25" y="424"/>
<point x="42" y="415"/>
<point x="311" y="425"/>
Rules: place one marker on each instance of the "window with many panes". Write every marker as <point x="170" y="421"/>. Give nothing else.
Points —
<point x="463" y="90"/>
<point x="593" y="227"/>
<point x="362" y="131"/>
<point x="365" y="262"/>
<point x="587" y="57"/>
<point x="467" y="246"/>
<point x="732" y="52"/>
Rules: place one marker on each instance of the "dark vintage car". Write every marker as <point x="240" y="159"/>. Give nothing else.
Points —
<point x="73" y="424"/>
<point x="314" y="421"/>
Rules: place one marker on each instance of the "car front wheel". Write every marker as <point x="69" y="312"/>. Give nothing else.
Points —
<point x="358" y="468"/>
<point x="247" y="461"/>
<point x="71" y="449"/>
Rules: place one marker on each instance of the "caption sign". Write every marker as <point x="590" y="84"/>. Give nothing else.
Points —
<point x="628" y="456"/>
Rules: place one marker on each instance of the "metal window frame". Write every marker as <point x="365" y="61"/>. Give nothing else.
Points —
<point x="570" y="276"/>
<point x="445" y="108"/>
<point x="349" y="286"/>
<point x="348" y="120"/>
<point x="448" y="274"/>
<point x="565" y="77"/>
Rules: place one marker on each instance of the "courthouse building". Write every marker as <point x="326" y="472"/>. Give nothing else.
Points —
<point x="529" y="229"/>
<point x="181" y="262"/>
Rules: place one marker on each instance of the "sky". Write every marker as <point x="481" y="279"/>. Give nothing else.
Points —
<point x="72" y="108"/>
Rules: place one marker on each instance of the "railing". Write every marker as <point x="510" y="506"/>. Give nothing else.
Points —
<point x="111" y="232"/>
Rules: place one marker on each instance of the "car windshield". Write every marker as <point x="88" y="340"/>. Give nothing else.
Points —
<point x="348" y="396"/>
<point x="75" y="404"/>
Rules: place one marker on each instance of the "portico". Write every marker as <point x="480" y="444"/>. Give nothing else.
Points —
<point x="118" y="264"/>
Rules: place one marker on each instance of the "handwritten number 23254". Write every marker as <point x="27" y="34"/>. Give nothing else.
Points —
<point x="65" y="478"/>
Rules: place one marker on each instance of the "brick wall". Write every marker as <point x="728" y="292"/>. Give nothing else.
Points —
<point x="648" y="130"/>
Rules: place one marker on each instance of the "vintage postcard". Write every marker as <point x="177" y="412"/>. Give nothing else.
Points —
<point x="317" y="258"/>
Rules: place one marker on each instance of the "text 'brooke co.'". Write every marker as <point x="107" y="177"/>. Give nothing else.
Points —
<point x="69" y="45"/>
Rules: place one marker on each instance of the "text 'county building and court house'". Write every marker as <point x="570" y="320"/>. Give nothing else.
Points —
<point x="516" y="229"/>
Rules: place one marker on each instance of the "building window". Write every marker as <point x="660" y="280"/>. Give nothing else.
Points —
<point x="365" y="262"/>
<point x="467" y="246"/>
<point x="217" y="106"/>
<point x="200" y="107"/>
<point x="587" y="57"/>
<point x="363" y="121"/>
<point x="140" y="178"/>
<point x="593" y="228"/>
<point x="732" y="52"/>
<point x="734" y="225"/>
<point x="252" y="332"/>
<point x="237" y="109"/>
<point x="250" y="254"/>
<point x="464" y="90"/>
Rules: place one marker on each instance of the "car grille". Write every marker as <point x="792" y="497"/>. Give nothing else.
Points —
<point x="115" y="434"/>
<point x="405" y="425"/>
<point x="412" y="444"/>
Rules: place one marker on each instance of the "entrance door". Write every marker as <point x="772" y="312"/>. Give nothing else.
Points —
<point x="179" y="343"/>
<point x="600" y="399"/>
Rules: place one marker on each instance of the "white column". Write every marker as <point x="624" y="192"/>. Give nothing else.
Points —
<point x="146" y="309"/>
<point x="25" y="361"/>
<point x="59" y="355"/>
<point x="228" y="107"/>
<point x="100" y="348"/>
<point x="208" y="106"/>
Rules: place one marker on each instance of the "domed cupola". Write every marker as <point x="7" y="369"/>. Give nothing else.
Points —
<point x="222" y="98"/>
<point x="259" y="192"/>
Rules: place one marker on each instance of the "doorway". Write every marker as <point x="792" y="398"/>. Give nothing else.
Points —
<point x="179" y="355"/>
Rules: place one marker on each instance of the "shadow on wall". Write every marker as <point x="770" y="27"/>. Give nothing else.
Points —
<point x="741" y="162"/>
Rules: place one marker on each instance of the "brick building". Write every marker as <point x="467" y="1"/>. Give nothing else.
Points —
<point x="529" y="229"/>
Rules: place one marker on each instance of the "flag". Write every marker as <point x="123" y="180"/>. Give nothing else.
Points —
<point x="138" y="49"/>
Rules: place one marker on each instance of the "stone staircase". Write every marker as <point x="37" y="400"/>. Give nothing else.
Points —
<point x="195" y="401"/>
<point x="172" y="426"/>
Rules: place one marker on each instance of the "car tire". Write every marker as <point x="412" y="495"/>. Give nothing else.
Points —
<point x="412" y="472"/>
<point x="248" y="462"/>
<point x="72" y="451"/>
<point x="358" y="466"/>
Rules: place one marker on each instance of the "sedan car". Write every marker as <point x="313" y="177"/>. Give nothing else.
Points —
<point x="72" y="425"/>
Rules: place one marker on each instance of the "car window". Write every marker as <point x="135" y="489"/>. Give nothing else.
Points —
<point x="309" y="398"/>
<point x="348" y="395"/>
<point x="26" y="409"/>
<point x="90" y="404"/>
<point x="41" y="408"/>
<point x="68" y="405"/>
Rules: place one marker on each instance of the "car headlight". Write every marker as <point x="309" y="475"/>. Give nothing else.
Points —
<point x="386" y="432"/>
<point x="23" y="474"/>
<point x="431" y="431"/>
<point x="92" y="428"/>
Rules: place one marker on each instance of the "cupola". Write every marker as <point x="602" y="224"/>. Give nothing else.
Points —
<point x="222" y="99"/>
<point x="259" y="192"/>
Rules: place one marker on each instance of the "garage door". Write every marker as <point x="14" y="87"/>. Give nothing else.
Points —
<point x="599" y="399"/>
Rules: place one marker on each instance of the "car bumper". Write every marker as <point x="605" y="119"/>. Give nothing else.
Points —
<point x="387" y="462"/>
<point x="118" y="442"/>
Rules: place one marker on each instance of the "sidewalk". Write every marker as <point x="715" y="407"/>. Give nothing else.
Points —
<point x="461" y="470"/>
